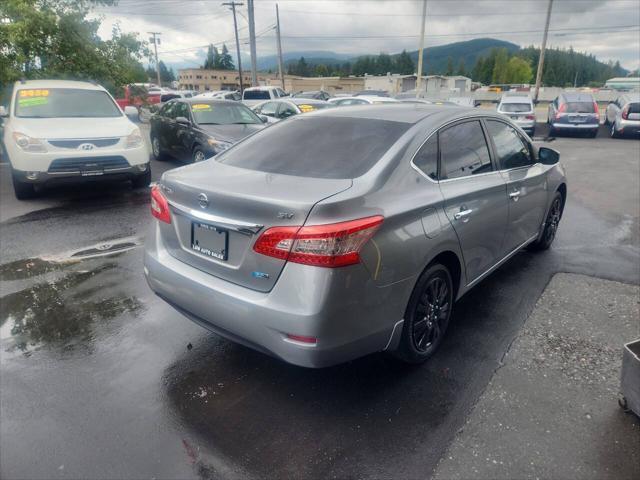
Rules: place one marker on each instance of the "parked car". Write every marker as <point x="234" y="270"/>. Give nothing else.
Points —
<point x="142" y="98"/>
<point x="221" y="95"/>
<point x="64" y="131"/>
<point x="375" y="93"/>
<point x="195" y="129"/>
<point x="254" y="95"/>
<point x="276" y="110"/>
<point x="361" y="100"/>
<point x="350" y="231"/>
<point x="315" y="94"/>
<point x="520" y="110"/>
<point x="623" y="115"/>
<point x="574" y="112"/>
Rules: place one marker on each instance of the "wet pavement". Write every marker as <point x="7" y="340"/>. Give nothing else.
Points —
<point x="99" y="378"/>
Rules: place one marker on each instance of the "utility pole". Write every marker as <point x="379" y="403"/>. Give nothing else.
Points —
<point x="155" y="41"/>
<point x="252" y="40"/>
<point x="280" y="63"/>
<point x="419" y="77"/>
<point x="542" y="49"/>
<point x="233" y="5"/>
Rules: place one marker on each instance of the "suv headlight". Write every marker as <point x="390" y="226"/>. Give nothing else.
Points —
<point x="218" y="145"/>
<point x="134" y="139"/>
<point x="28" y="144"/>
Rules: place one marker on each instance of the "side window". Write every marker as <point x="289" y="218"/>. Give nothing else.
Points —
<point x="286" y="110"/>
<point x="512" y="151"/>
<point x="269" y="109"/>
<point x="427" y="158"/>
<point x="168" y="110"/>
<point x="464" y="151"/>
<point x="181" y="110"/>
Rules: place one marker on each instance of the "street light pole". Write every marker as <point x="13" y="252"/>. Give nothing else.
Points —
<point x="419" y="76"/>
<point x="252" y="40"/>
<point x="155" y="45"/>
<point x="542" y="49"/>
<point x="280" y="62"/>
<point x="233" y="5"/>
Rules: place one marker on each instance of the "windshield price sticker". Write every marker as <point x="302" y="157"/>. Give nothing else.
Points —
<point x="33" y="93"/>
<point x="202" y="106"/>
<point x="306" y="108"/>
<point x="32" y="101"/>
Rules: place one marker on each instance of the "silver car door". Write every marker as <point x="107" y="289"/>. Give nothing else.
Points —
<point x="475" y="195"/>
<point x="526" y="183"/>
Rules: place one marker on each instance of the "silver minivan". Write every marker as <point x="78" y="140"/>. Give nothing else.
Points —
<point x="352" y="230"/>
<point x="623" y="115"/>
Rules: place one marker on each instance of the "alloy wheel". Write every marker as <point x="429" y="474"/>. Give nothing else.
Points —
<point x="155" y="146"/>
<point x="432" y="313"/>
<point x="198" y="156"/>
<point x="553" y="220"/>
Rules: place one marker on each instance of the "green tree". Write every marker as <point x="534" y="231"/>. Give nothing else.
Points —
<point x="499" y="74"/>
<point x="213" y="58"/>
<point x="449" y="66"/>
<point x="167" y="75"/>
<point x="384" y="64"/>
<point x="302" y="68"/>
<point x="226" y="62"/>
<point x="518" y="71"/>
<point x="461" y="68"/>
<point x="321" y="70"/>
<point x="55" y="38"/>
<point x="404" y="65"/>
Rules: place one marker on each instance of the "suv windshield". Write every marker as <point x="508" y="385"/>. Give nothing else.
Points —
<point x="515" y="107"/>
<point x="64" y="103"/>
<point x="222" y="114"/>
<point x="256" y="95"/>
<point x="317" y="147"/>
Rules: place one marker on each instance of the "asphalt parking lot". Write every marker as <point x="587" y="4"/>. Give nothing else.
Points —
<point x="101" y="379"/>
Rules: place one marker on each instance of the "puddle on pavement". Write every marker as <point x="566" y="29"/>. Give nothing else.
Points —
<point x="31" y="267"/>
<point x="65" y="313"/>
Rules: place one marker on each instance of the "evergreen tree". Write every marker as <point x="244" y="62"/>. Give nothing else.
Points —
<point x="321" y="70"/>
<point x="384" y="64"/>
<point x="461" y="68"/>
<point x="449" y="71"/>
<point x="499" y="74"/>
<point x="302" y="68"/>
<point x="226" y="62"/>
<point x="404" y="65"/>
<point x="209" y="62"/>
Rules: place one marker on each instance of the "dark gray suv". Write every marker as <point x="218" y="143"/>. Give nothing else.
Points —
<point x="352" y="230"/>
<point x="574" y="112"/>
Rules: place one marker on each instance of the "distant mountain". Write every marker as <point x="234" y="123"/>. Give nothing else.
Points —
<point x="435" y="58"/>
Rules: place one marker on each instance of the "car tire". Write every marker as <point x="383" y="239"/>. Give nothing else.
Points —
<point x="23" y="190"/>
<point x="198" y="155"/>
<point x="427" y="316"/>
<point x="143" y="180"/>
<point x="156" y="149"/>
<point x="551" y="224"/>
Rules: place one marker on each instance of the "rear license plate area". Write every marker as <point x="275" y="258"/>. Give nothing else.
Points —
<point x="209" y="241"/>
<point x="577" y="119"/>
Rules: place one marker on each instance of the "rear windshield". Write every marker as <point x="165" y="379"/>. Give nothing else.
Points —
<point x="64" y="103"/>
<point x="580" y="107"/>
<point x="256" y="95"/>
<point x="634" y="108"/>
<point x="515" y="107"/>
<point x="317" y="147"/>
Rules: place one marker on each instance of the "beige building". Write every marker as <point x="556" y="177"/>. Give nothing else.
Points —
<point x="203" y="80"/>
<point x="293" y="84"/>
<point x="395" y="83"/>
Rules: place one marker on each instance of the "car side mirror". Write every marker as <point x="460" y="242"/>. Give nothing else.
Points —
<point x="548" y="156"/>
<point x="263" y="118"/>
<point x="131" y="111"/>
<point x="183" y="120"/>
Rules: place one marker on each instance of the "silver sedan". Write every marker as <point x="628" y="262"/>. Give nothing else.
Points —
<point x="350" y="231"/>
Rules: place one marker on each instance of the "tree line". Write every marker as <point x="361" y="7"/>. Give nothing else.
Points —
<point x="563" y="67"/>
<point x="216" y="60"/>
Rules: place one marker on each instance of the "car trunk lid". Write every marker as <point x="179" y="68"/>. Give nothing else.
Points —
<point x="218" y="212"/>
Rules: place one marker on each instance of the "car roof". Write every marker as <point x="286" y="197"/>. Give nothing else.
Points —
<point x="403" y="112"/>
<point x="577" y="97"/>
<point x="59" y="84"/>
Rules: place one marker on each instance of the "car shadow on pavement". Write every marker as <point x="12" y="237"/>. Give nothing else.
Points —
<point x="278" y="420"/>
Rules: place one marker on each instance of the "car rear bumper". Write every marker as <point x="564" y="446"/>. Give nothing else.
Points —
<point x="576" y="126"/>
<point x="342" y="308"/>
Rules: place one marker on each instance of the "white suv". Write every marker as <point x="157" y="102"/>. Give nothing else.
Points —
<point x="56" y="130"/>
<point x="520" y="109"/>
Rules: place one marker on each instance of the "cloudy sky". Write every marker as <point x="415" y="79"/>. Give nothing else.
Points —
<point x="609" y="29"/>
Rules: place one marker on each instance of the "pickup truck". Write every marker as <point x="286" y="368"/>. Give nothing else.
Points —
<point x="140" y="98"/>
<point x="254" y="95"/>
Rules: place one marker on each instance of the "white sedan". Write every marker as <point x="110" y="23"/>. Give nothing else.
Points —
<point x="361" y="100"/>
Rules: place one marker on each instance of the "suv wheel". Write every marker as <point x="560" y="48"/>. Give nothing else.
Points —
<point x="427" y="315"/>
<point x="158" y="154"/>
<point x="23" y="190"/>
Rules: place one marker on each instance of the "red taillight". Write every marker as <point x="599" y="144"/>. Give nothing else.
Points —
<point x="530" y="117"/>
<point x="596" y="110"/>
<point x="625" y="112"/>
<point x="332" y="245"/>
<point x="159" y="205"/>
<point x="563" y="108"/>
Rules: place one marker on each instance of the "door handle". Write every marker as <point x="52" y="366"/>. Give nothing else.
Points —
<point x="462" y="214"/>
<point x="514" y="195"/>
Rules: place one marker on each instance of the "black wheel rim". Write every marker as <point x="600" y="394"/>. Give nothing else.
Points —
<point x="552" y="221"/>
<point x="432" y="313"/>
<point x="156" y="147"/>
<point x="198" y="156"/>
